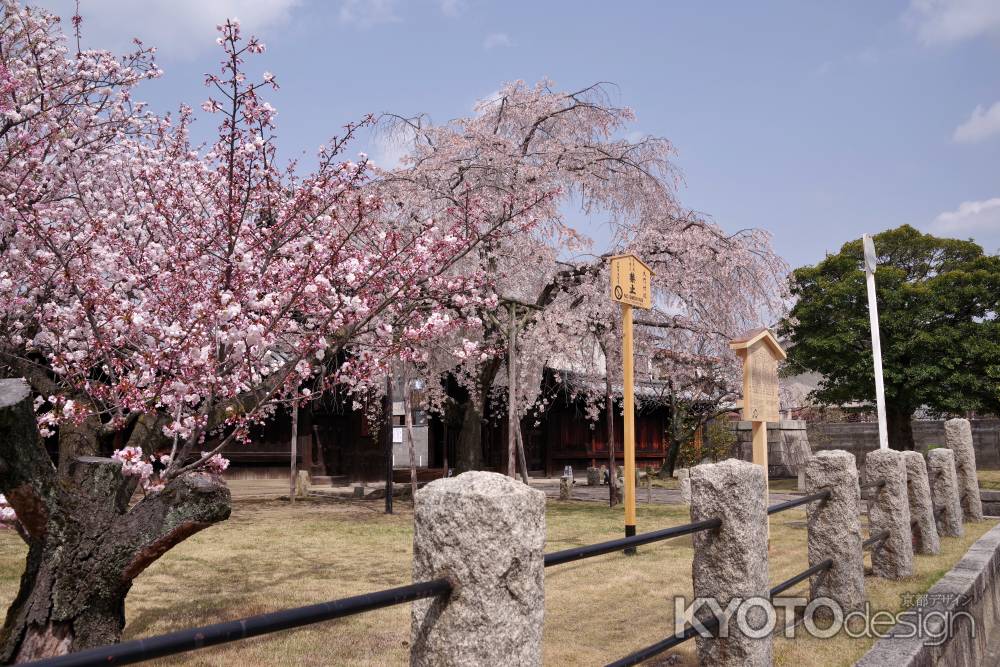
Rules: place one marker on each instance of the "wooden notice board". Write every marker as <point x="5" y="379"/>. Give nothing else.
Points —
<point x="760" y="353"/>
<point x="760" y="386"/>
<point x="630" y="281"/>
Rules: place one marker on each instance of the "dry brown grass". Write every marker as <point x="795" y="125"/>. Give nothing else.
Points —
<point x="270" y="556"/>
<point x="989" y="479"/>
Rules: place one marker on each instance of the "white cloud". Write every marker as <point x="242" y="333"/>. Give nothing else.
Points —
<point x="952" y="21"/>
<point x="367" y="13"/>
<point x="391" y="145"/>
<point x="452" y="8"/>
<point x="489" y="98"/>
<point x="982" y="124"/>
<point x="178" y="28"/>
<point x="976" y="219"/>
<point x="496" y="39"/>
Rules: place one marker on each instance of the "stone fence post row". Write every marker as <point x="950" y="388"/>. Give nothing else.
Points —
<point x="889" y="510"/>
<point x="485" y="533"/>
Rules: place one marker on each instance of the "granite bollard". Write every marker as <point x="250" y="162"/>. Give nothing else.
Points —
<point x="835" y="528"/>
<point x="958" y="438"/>
<point x="944" y="492"/>
<point x="684" y="477"/>
<point x="565" y="487"/>
<point x="889" y="509"/>
<point x="302" y="482"/>
<point x="730" y="562"/>
<point x="594" y="476"/>
<point x="918" y="491"/>
<point x="485" y="532"/>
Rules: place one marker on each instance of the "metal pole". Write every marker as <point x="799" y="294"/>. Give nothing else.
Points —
<point x="387" y="413"/>
<point x="629" y="435"/>
<point x="883" y="435"/>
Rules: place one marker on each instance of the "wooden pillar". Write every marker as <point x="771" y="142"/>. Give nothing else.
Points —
<point x="759" y="432"/>
<point x="629" y="435"/>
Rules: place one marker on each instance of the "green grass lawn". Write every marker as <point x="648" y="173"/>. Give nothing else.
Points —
<point x="270" y="556"/>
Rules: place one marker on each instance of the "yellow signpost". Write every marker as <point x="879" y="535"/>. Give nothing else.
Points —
<point x="630" y="286"/>
<point x="760" y="353"/>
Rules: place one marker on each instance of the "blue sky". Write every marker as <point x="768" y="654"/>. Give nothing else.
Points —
<point x="817" y="121"/>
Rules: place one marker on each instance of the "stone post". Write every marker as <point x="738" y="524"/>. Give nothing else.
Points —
<point x="565" y="486"/>
<point x="731" y="561"/>
<point x="944" y="492"/>
<point x="889" y="509"/>
<point x="594" y="477"/>
<point x="958" y="438"/>
<point x="921" y="508"/>
<point x="835" y="528"/>
<point x="302" y="484"/>
<point x="485" y="532"/>
<point x="684" y="477"/>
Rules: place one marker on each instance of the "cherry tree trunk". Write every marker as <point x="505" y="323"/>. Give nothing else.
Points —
<point x="470" y="438"/>
<point x="899" y="426"/>
<point x="86" y="542"/>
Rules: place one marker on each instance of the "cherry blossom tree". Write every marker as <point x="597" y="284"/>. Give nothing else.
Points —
<point x="160" y="298"/>
<point x="530" y="153"/>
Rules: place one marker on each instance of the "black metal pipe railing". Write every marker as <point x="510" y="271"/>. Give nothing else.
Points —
<point x="804" y="500"/>
<point x="661" y="646"/>
<point x="875" y="539"/>
<point x="220" y="633"/>
<point x="801" y="576"/>
<point x="578" y="553"/>
<point x="190" y="639"/>
<point x="690" y="631"/>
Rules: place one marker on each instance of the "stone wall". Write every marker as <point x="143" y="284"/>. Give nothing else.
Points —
<point x="991" y="502"/>
<point x="787" y="446"/>
<point x="862" y="437"/>
<point x="970" y="587"/>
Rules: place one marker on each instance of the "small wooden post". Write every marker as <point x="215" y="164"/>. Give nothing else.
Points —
<point x="610" y="409"/>
<point x="387" y="415"/>
<point x="699" y="440"/>
<point x="408" y="422"/>
<point x="630" y="286"/>
<point x="293" y="473"/>
<point x="759" y="433"/>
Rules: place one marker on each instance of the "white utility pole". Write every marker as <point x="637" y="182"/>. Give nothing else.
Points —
<point x="883" y="435"/>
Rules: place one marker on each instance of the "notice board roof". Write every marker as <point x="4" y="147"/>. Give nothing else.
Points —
<point x="751" y="337"/>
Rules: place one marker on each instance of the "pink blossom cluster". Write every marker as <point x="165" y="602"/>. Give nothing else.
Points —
<point x="134" y="464"/>
<point x="206" y="283"/>
<point x="528" y="153"/>
<point x="7" y="514"/>
<point x="215" y="463"/>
